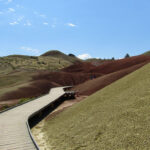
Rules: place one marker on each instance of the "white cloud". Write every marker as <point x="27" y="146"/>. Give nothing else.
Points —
<point x="19" y="6"/>
<point x="45" y="23"/>
<point x="84" y="56"/>
<point x="28" y="23"/>
<point x="11" y="10"/>
<point x="71" y="25"/>
<point x="35" y="12"/>
<point x="29" y="49"/>
<point x="9" y="1"/>
<point x="39" y="15"/>
<point x="20" y="18"/>
<point x="53" y="25"/>
<point x="43" y="16"/>
<point x="13" y="23"/>
<point x="6" y="1"/>
<point x="17" y="21"/>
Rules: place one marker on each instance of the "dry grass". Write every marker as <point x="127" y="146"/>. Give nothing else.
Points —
<point x="16" y="71"/>
<point x="116" y="117"/>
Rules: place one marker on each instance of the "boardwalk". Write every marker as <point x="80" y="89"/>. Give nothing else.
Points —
<point x="14" y="134"/>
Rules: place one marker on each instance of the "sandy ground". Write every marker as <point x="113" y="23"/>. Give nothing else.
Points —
<point x="39" y="135"/>
<point x="37" y="131"/>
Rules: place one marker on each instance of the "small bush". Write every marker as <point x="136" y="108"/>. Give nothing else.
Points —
<point x="5" y="107"/>
<point x="71" y="55"/>
<point x="23" y="100"/>
<point x="127" y="56"/>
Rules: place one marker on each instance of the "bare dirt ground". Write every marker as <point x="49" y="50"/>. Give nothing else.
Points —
<point x="39" y="135"/>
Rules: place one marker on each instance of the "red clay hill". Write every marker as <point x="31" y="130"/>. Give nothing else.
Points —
<point x="116" y="65"/>
<point x="84" y="76"/>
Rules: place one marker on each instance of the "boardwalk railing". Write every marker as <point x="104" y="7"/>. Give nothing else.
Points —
<point x="15" y="124"/>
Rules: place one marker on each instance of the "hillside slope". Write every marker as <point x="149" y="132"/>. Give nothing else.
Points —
<point x="16" y="73"/>
<point x="91" y="86"/>
<point x="49" y="62"/>
<point x="147" y="53"/>
<point x="75" y="74"/>
<point x="58" y="54"/>
<point x="116" y="65"/>
<point x="116" y="117"/>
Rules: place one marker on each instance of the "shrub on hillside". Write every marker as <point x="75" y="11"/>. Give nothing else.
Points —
<point x="127" y="56"/>
<point x="71" y="55"/>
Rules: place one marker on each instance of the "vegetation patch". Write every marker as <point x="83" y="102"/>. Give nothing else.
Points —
<point x="4" y="107"/>
<point x="23" y="100"/>
<point x="16" y="72"/>
<point x="116" y="117"/>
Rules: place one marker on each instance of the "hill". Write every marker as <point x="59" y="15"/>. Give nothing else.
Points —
<point x="115" y="65"/>
<point x="116" y="117"/>
<point x="79" y="67"/>
<point x="36" y="83"/>
<point x="97" y="61"/>
<point x="16" y="71"/>
<point x="58" y="54"/>
<point x="20" y="62"/>
<point x="110" y="72"/>
<point x="147" y="53"/>
<point x="91" y="86"/>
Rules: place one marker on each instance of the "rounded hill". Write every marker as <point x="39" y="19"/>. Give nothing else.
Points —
<point x="58" y="54"/>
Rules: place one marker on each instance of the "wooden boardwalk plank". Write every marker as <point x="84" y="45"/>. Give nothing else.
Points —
<point x="13" y="129"/>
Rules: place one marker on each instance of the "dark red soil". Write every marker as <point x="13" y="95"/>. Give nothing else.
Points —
<point x="64" y="78"/>
<point x="91" y="86"/>
<point x="113" y="66"/>
<point x="80" y="67"/>
<point x="35" y="89"/>
<point x="80" y="75"/>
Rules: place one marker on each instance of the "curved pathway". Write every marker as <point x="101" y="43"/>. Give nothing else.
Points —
<point x="14" y="133"/>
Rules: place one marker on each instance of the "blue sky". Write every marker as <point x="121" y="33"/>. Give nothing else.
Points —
<point x="89" y="28"/>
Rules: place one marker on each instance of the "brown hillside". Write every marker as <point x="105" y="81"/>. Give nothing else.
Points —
<point x="79" y="67"/>
<point x="91" y="86"/>
<point x="109" y="67"/>
<point x="78" y="74"/>
<point x="44" y="81"/>
<point x="64" y="78"/>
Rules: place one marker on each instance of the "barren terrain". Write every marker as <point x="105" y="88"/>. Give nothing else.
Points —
<point x="86" y="78"/>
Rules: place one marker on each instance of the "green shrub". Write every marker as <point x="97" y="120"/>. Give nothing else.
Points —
<point x="5" y="107"/>
<point x="23" y="100"/>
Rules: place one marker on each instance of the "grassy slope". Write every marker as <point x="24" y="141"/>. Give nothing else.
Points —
<point x="116" y="117"/>
<point x="11" y="82"/>
<point x="52" y="61"/>
<point x="147" y="53"/>
<point x="16" y="70"/>
<point x="58" y="54"/>
<point x="11" y="63"/>
<point x="91" y="86"/>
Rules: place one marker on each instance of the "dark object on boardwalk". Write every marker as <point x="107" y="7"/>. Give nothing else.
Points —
<point x="69" y="95"/>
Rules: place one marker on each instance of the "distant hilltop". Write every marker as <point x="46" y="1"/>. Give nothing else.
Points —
<point x="52" y="60"/>
<point x="58" y="54"/>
